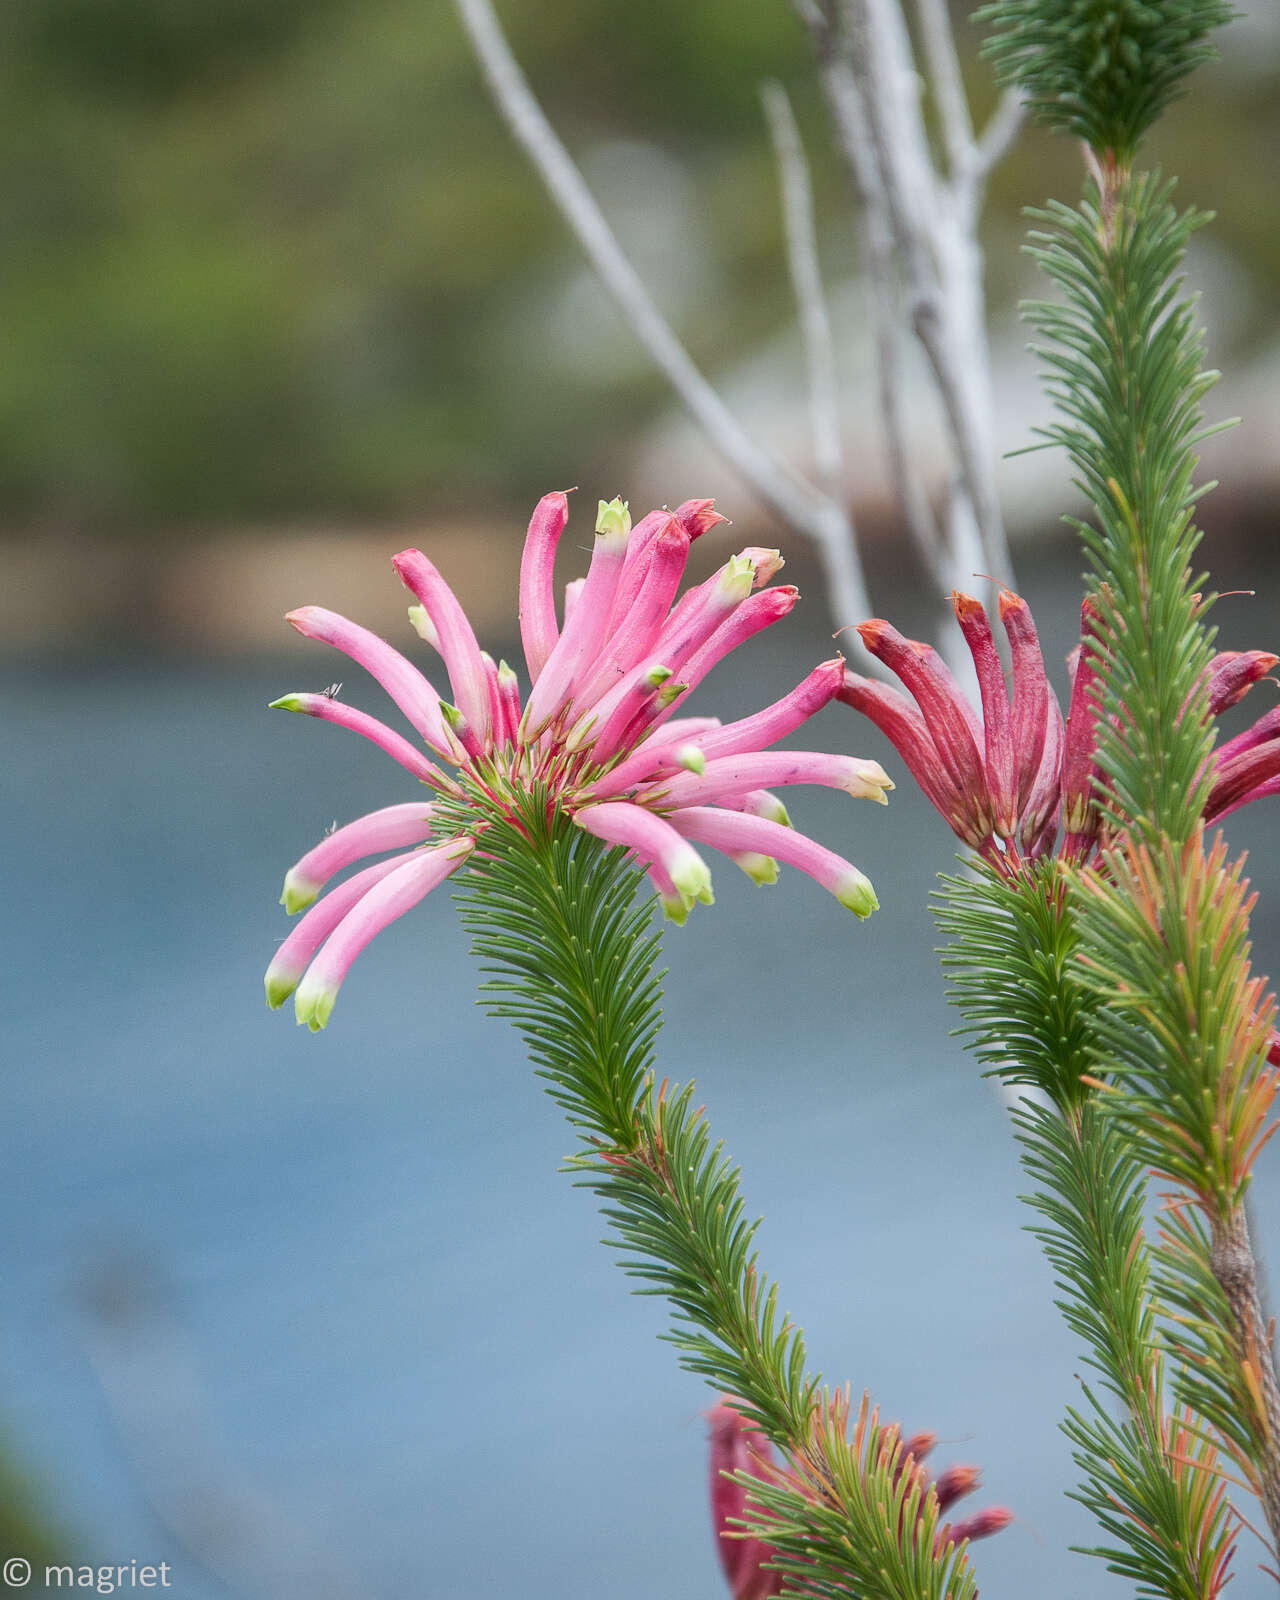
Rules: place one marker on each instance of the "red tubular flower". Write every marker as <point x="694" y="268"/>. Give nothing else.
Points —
<point x="1007" y="781"/>
<point x="598" y="735"/>
<point x="738" y="1447"/>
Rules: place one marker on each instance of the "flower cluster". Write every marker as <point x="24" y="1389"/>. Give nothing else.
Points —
<point x="1007" y="781"/>
<point x="739" y="1449"/>
<point x="597" y="734"/>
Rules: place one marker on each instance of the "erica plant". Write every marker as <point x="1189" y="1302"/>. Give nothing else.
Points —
<point x="1098" y="934"/>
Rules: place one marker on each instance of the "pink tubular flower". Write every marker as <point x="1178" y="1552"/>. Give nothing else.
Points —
<point x="738" y="1449"/>
<point x="1006" y="781"/>
<point x="602" y="735"/>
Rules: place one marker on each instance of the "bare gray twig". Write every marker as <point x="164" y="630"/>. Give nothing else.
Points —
<point x="806" y="279"/>
<point x="947" y="84"/>
<point x="798" y="503"/>
<point x="932" y="224"/>
<point x="997" y="136"/>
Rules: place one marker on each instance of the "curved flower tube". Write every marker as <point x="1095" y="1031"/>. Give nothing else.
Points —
<point x="602" y="736"/>
<point x="1006" y="781"/>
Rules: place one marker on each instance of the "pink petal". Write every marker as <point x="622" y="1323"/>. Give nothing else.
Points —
<point x="497" y="721"/>
<point x="327" y="709"/>
<point x="509" y="701"/>
<point x="1040" y="810"/>
<point x="538" y="630"/>
<point x="996" y="715"/>
<point x="1242" y="778"/>
<point x="1031" y="692"/>
<point x="391" y="828"/>
<point x="947" y="714"/>
<point x="311" y="930"/>
<point x="579" y="644"/>
<point x="1080" y="772"/>
<point x="738" y="1447"/>
<point x="397" y="893"/>
<point x="604" y="725"/>
<point x="757" y="612"/>
<point x="703" y="609"/>
<point x="636" y="563"/>
<point x="1232" y="673"/>
<point x="1266" y="728"/>
<point x="400" y="678"/>
<point x="652" y="839"/>
<point x="904" y="727"/>
<point x="731" y="831"/>
<point x="730" y="776"/>
<point x="698" y="517"/>
<point x="456" y="638"/>
<point x="637" y="631"/>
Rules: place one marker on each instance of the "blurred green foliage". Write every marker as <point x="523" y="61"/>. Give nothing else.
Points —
<point x="273" y="258"/>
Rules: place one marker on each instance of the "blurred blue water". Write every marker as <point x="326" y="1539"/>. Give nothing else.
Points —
<point x="415" y="1346"/>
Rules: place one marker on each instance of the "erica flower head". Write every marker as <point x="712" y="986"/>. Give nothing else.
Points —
<point x="601" y="734"/>
<point x="1010" y="777"/>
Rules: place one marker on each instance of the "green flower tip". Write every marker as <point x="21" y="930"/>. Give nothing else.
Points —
<point x="670" y="692"/>
<point x="298" y="892"/>
<point x="314" y="1007"/>
<point x="279" y="987"/>
<point x="675" y="908"/>
<point x="692" y="877"/>
<point x="423" y="626"/>
<point x="738" y="576"/>
<point x="613" y="519"/>
<point x="286" y="702"/>
<point x="856" y="894"/>
<point x="760" y="869"/>
<point x="691" y="759"/>
<point x="452" y="716"/>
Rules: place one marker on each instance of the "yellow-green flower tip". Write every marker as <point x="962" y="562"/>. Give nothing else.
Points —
<point x="423" y="626"/>
<point x="613" y="518"/>
<point x="856" y="894"/>
<point x="675" y="908"/>
<point x="298" y="892"/>
<point x="279" y="988"/>
<point x="314" y="1007"/>
<point x="691" y="759"/>
<point x="286" y="702"/>
<point x="759" y="868"/>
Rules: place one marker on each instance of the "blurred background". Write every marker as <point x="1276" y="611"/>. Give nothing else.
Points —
<point x="313" y="1317"/>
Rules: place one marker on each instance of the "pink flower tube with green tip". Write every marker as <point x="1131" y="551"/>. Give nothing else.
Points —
<point x="734" y="832"/>
<point x="381" y="905"/>
<point x="389" y="829"/>
<point x="417" y="698"/>
<point x="755" y="732"/>
<point x="603" y="739"/>
<point x="578" y="647"/>
<point x="760" y="769"/>
<point x="639" y="628"/>
<point x="329" y="709"/>
<point x="652" y="838"/>
<point x="314" y="927"/>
